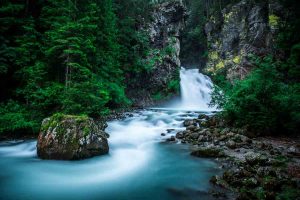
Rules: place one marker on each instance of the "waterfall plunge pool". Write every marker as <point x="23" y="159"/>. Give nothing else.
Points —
<point x="140" y="164"/>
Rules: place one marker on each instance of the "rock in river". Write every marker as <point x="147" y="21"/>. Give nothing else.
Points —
<point x="69" y="137"/>
<point x="208" y="152"/>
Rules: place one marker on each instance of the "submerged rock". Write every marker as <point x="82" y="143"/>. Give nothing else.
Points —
<point x="68" y="137"/>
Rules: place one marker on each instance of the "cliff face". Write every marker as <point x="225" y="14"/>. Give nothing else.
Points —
<point x="240" y="30"/>
<point x="167" y="21"/>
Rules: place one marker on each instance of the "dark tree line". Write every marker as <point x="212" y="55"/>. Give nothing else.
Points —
<point x="66" y="56"/>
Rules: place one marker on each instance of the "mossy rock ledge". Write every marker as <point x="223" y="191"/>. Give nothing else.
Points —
<point x="69" y="137"/>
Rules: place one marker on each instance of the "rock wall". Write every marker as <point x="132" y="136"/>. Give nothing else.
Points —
<point x="238" y="31"/>
<point x="167" y="21"/>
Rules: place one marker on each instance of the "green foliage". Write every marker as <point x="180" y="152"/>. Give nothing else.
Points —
<point x="289" y="26"/>
<point x="173" y="86"/>
<point x="158" y="96"/>
<point x="264" y="102"/>
<point x="68" y="56"/>
<point x="134" y="42"/>
<point x="288" y="193"/>
<point x="15" y="117"/>
<point x="268" y="99"/>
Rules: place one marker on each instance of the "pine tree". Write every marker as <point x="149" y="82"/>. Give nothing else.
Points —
<point x="108" y="54"/>
<point x="71" y="41"/>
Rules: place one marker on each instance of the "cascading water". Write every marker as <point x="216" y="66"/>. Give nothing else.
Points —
<point x="195" y="92"/>
<point x="195" y="89"/>
<point x="140" y="164"/>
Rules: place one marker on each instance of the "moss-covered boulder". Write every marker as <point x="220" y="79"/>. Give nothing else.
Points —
<point x="69" y="137"/>
<point x="208" y="152"/>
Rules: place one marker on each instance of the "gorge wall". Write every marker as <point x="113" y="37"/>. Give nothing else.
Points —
<point x="163" y="29"/>
<point x="238" y="31"/>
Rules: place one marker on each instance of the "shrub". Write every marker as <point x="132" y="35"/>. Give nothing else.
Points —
<point x="264" y="101"/>
<point x="15" y="118"/>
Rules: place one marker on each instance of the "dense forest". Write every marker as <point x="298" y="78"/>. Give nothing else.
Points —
<point x="79" y="57"/>
<point x="67" y="56"/>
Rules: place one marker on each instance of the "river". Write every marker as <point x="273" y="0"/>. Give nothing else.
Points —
<point x="140" y="165"/>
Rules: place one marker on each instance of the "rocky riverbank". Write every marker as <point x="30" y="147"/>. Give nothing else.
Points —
<point x="254" y="167"/>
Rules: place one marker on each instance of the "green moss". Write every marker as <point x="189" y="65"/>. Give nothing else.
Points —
<point x="86" y="131"/>
<point x="53" y="121"/>
<point x="213" y="55"/>
<point x="208" y="152"/>
<point x="227" y="16"/>
<point x="273" y="20"/>
<point x="220" y="65"/>
<point x="237" y="59"/>
<point x="80" y="118"/>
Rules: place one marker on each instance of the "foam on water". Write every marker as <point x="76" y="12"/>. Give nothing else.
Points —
<point x="138" y="166"/>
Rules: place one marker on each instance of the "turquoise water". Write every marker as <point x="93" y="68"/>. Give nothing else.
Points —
<point x="140" y="165"/>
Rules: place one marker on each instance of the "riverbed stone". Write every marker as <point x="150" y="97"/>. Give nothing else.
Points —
<point x="189" y="122"/>
<point x="255" y="158"/>
<point x="191" y="128"/>
<point x="231" y="144"/>
<point x="195" y="135"/>
<point x="171" y="139"/>
<point x="208" y="152"/>
<point x="179" y="135"/>
<point x="203" y="116"/>
<point x="69" y="137"/>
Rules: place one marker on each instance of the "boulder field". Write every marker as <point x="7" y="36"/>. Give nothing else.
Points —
<point x="254" y="167"/>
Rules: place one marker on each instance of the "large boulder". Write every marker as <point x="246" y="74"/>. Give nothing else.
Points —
<point x="68" y="137"/>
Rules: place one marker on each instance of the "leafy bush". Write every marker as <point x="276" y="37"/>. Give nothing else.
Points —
<point x="15" y="117"/>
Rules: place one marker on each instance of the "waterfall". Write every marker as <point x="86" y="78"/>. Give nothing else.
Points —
<point x="195" y="93"/>
<point x="138" y="166"/>
<point x="195" y="90"/>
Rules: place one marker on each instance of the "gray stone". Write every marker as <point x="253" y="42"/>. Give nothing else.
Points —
<point x="208" y="152"/>
<point x="68" y="137"/>
<point x="171" y="139"/>
<point x="241" y="30"/>
<point x="195" y="135"/>
<point x="179" y="135"/>
<point x="255" y="158"/>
